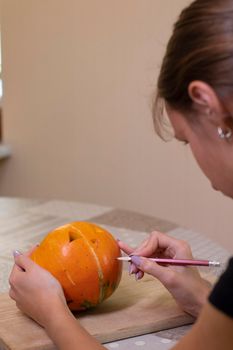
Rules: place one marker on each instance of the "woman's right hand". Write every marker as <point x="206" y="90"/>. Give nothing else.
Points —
<point x="36" y="292"/>
<point x="185" y="284"/>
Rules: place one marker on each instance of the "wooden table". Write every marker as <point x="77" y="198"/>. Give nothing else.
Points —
<point x="24" y="222"/>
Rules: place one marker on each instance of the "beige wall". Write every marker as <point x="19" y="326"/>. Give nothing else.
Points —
<point x="79" y="76"/>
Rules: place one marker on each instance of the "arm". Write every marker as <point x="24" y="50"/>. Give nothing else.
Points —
<point x="213" y="330"/>
<point x="67" y="333"/>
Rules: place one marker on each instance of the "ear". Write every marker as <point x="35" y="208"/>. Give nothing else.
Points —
<point x="206" y="102"/>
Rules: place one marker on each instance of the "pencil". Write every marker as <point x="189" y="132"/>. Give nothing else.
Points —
<point x="177" y="262"/>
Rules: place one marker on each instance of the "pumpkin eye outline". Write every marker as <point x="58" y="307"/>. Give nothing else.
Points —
<point x="73" y="236"/>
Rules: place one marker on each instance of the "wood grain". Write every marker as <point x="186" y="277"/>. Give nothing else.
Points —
<point x="135" y="308"/>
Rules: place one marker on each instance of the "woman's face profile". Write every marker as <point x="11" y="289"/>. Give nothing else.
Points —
<point x="211" y="153"/>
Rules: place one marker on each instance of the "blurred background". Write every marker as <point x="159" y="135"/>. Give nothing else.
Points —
<point x="79" y="77"/>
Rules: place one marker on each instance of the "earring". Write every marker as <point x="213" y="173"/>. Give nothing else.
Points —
<point x="224" y="134"/>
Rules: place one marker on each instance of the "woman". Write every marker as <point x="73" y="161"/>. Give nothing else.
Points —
<point x="196" y="88"/>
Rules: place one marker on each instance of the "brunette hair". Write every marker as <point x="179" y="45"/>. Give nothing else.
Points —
<point x="200" y="48"/>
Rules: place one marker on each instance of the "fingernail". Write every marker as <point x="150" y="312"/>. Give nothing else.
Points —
<point x="16" y="253"/>
<point x="137" y="276"/>
<point x="130" y="269"/>
<point x="140" y="274"/>
<point x="136" y="260"/>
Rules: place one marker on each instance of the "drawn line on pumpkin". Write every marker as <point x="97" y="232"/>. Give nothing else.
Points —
<point x="99" y="269"/>
<point x="69" y="277"/>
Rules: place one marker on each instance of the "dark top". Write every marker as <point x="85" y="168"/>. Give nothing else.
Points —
<point x="222" y="295"/>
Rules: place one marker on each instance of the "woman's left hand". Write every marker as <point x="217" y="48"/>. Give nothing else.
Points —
<point x="36" y="292"/>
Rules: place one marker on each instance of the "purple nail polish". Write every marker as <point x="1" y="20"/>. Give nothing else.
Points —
<point x="136" y="260"/>
<point x="140" y="275"/>
<point x="16" y="253"/>
<point x="131" y="269"/>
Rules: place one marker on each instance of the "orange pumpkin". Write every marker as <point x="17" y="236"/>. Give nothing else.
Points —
<point x="82" y="256"/>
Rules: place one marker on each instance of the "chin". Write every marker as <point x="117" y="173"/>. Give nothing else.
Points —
<point x="214" y="187"/>
<point x="225" y="191"/>
<point x="228" y="194"/>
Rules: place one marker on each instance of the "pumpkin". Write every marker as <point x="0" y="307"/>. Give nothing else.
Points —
<point x="82" y="256"/>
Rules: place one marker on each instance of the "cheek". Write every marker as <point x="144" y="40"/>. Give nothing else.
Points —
<point x="212" y="166"/>
<point x="205" y="159"/>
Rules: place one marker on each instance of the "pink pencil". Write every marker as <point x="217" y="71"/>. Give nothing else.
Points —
<point x="177" y="262"/>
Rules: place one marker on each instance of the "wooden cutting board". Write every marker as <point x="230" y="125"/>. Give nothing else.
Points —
<point x="135" y="308"/>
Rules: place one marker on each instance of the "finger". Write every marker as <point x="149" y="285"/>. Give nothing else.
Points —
<point x="22" y="261"/>
<point x="16" y="265"/>
<point x="14" y="275"/>
<point x="158" y="242"/>
<point x="165" y="275"/>
<point x="128" y="250"/>
<point x="125" y="247"/>
<point x="11" y="277"/>
<point x="12" y="294"/>
<point x="151" y="245"/>
<point x="139" y="275"/>
<point x="132" y="268"/>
